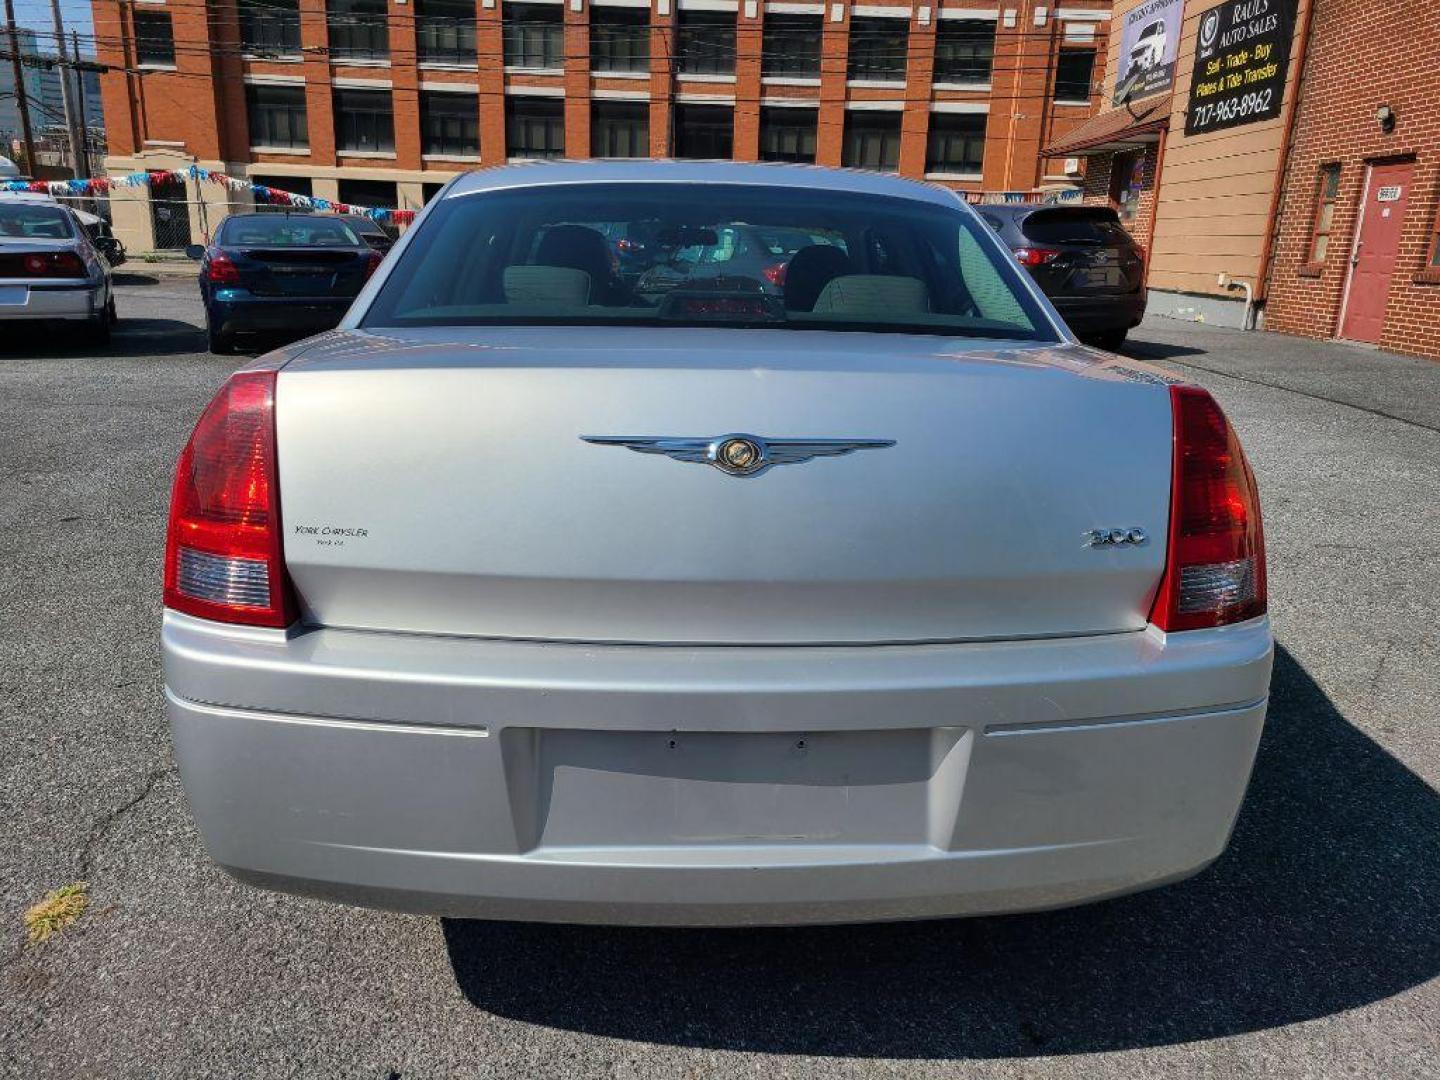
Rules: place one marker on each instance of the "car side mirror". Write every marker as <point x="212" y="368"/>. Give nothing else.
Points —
<point x="195" y="251"/>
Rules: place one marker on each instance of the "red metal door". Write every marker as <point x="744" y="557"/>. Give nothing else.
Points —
<point x="1381" y="217"/>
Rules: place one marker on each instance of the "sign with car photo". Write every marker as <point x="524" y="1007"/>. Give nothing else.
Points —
<point x="1242" y="53"/>
<point x="1146" y="65"/>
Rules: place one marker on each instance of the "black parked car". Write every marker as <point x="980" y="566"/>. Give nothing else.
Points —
<point x="1083" y="260"/>
<point x="280" y="274"/>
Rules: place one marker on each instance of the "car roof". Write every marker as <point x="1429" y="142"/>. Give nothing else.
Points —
<point x="641" y="171"/>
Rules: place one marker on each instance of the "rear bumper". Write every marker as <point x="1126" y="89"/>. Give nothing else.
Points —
<point x="1084" y="314"/>
<point x="723" y="786"/>
<point x="244" y="313"/>
<point x="66" y="302"/>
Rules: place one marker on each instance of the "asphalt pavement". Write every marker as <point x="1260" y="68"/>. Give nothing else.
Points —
<point x="1311" y="949"/>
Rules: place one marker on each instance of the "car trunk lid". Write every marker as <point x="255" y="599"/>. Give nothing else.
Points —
<point x="438" y="481"/>
<point x="282" y="271"/>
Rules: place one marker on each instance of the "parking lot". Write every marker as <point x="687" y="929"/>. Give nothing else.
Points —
<point x="1310" y="949"/>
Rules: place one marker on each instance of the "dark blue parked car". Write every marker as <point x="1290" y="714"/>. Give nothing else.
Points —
<point x="280" y="274"/>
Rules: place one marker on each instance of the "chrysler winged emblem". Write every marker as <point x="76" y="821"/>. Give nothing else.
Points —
<point x="738" y="454"/>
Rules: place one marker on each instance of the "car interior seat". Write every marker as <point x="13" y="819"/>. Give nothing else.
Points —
<point x="582" y="248"/>
<point x="808" y="272"/>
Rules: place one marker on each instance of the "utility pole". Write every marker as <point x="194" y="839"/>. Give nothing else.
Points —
<point x="80" y="96"/>
<point x="77" y="143"/>
<point x="20" y="99"/>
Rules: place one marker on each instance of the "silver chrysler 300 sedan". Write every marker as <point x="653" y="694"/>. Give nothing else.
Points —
<point x="841" y="586"/>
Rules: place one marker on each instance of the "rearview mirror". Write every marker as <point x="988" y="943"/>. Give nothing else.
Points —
<point x="195" y="251"/>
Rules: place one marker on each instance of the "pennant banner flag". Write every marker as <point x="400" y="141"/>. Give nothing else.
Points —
<point x="270" y="196"/>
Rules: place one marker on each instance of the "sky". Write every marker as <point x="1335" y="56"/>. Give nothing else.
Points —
<point x="35" y="15"/>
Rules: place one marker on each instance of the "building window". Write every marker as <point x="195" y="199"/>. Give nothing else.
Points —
<point x="154" y="39"/>
<point x="291" y="185"/>
<point x="791" y="46"/>
<point x="449" y="124"/>
<point x="956" y="144"/>
<point x="704" y="131"/>
<point x="429" y="191"/>
<point x="364" y="121"/>
<point x="270" y="27"/>
<point x="534" y="127"/>
<point x="368" y="193"/>
<point x="788" y="134"/>
<point x="620" y="129"/>
<point x="1326" y="192"/>
<point x="358" y="30"/>
<point x="1073" y="71"/>
<point x="277" y="117"/>
<point x="872" y="141"/>
<point x="534" y="35"/>
<point x="964" y="50"/>
<point x="877" y="49"/>
<point x="706" y="42"/>
<point x="445" y="31"/>
<point x="619" y="39"/>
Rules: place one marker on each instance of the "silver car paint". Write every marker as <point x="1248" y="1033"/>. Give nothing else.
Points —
<point x="68" y="299"/>
<point x="712" y="786"/>
<point x="502" y="522"/>
<point x="408" y="753"/>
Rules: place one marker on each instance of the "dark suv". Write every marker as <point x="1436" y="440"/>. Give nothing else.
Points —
<point x="1083" y="260"/>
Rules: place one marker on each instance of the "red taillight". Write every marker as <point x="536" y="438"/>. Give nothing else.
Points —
<point x="53" y="264"/>
<point x="775" y="275"/>
<point x="220" y="270"/>
<point x="1215" y="562"/>
<point x="1035" y="256"/>
<point x="372" y="263"/>
<point x="223" y="552"/>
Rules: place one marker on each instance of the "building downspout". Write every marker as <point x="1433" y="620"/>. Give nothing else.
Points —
<point x="1282" y="163"/>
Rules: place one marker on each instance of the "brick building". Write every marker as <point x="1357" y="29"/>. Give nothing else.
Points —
<point x="1357" y="246"/>
<point x="381" y="101"/>
<point x="1193" y="164"/>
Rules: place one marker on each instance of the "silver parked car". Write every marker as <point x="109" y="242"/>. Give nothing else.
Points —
<point x="50" y="269"/>
<point x="525" y="595"/>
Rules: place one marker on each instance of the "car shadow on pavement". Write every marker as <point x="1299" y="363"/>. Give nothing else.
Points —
<point x="1328" y="898"/>
<point x="132" y="337"/>
<point x="1158" y="350"/>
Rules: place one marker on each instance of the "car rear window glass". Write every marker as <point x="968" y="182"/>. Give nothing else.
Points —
<point x="275" y="230"/>
<point x="706" y="254"/>
<point x="1074" y="225"/>
<point x="26" y="221"/>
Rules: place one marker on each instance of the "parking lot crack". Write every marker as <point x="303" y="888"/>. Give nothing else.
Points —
<point x="106" y="823"/>
<point x="1251" y="380"/>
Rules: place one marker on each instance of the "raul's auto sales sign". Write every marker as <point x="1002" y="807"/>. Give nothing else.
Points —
<point x="1242" y="52"/>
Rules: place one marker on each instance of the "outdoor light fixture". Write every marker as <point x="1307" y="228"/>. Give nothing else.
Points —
<point x="1386" y="116"/>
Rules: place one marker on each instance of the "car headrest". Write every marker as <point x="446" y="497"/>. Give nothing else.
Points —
<point x="873" y="295"/>
<point x="547" y="285"/>
<point x="808" y="272"/>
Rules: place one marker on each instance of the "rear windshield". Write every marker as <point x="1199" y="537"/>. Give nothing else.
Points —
<point x="275" y="230"/>
<point x="364" y="227"/>
<point x="705" y="254"/>
<point x="1074" y="225"/>
<point x="24" y="221"/>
